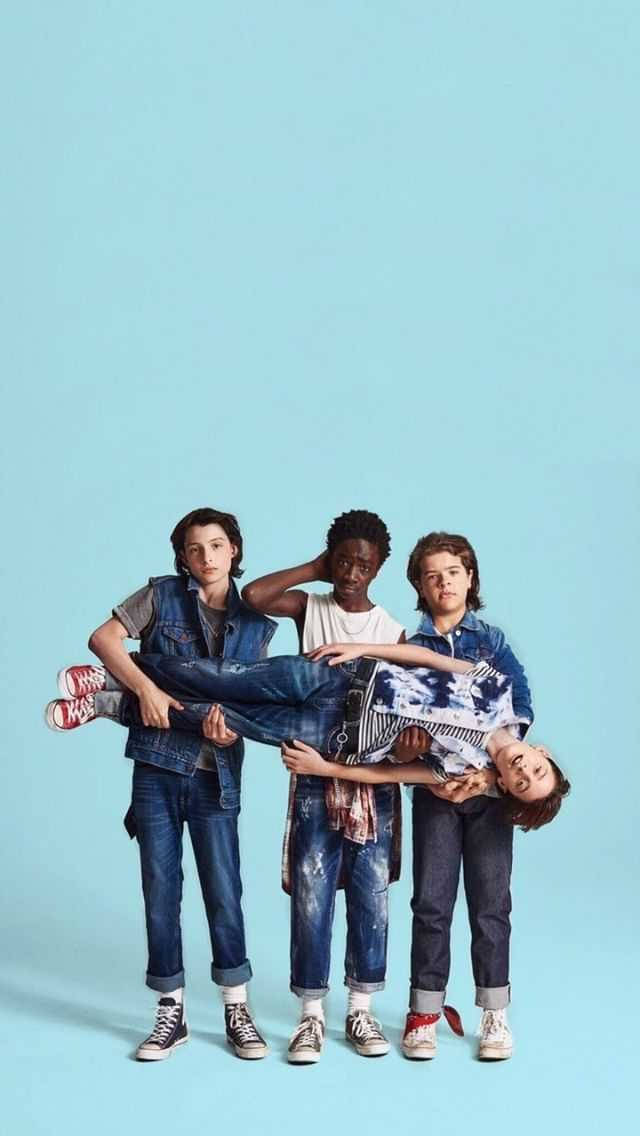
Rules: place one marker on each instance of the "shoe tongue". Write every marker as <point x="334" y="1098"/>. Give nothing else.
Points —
<point x="167" y="1002"/>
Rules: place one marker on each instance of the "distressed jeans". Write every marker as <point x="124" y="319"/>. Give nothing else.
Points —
<point x="268" y="701"/>
<point x="319" y="856"/>
<point x="162" y="802"/>
<point x="444" y="836"/>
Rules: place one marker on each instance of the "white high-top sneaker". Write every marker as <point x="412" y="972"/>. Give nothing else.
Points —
<point x="496" y="1042"/>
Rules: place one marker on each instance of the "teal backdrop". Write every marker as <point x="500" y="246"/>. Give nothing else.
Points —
<point x="288" y="259"/>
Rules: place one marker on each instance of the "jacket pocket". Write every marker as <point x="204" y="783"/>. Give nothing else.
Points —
<point x="180" y="639"/>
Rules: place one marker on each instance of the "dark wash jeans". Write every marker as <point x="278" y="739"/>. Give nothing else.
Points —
<point x="444" y="836"/>
<point x="319" y="855"/>
<point x="268" y="701"/>
<point x="162" y="802"/>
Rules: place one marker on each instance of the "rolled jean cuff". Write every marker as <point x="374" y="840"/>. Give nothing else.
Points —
<point x="165" y="985"/>
<point x="108" y="704"/>
<point x="231" y="975"/>
<point x="426" y="1001"/>
<point x="493" y="997"/>
<point x="363" y="987"/>
<point x="307" y="992"/>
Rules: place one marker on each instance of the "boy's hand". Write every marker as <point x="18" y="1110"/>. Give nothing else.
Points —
<point x="301" y="758"/>
<point x="154" y="706"/>
<point x="337" y="653"/>
<point x="411" y="744"/>
<point x="321" y="568"/>
<point x="459" y="789"/>
<point x="215" y="729"/>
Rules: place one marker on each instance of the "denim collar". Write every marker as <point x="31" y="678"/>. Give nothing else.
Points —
<point x="234" y="603"/>
<point x="469" y="621"/>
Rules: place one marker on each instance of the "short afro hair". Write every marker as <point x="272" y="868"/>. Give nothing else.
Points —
<point x="359" y="524"/>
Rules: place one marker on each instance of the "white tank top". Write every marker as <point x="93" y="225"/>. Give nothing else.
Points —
<point x="326" y="622"/>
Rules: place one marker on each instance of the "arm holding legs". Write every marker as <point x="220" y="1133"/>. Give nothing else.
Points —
<point x="107" y="642"/>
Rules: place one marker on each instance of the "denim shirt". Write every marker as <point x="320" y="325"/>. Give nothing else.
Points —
<point x="477" y="641"/>
<point x="178" y="629"/>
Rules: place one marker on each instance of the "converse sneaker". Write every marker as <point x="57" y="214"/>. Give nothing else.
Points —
<point x="75" y="681"/>
<point x="67" y="713"/>
<point x="169" y="1031"/>
<point x="365" y="1034"/>
<point x="496" y="1042"/>
<point x="242" y="1035"/>
<point x="419" y="1041"/>
<point x="305" y="1046"/>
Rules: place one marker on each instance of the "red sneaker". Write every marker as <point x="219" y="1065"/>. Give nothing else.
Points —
<point x="419" y="1041"/>
<point x="67" y="713"/>
<point x="86" y="678"/>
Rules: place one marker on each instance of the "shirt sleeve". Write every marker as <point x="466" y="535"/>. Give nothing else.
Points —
<point x="505" y="661"/>
<point x="136" y="612"/>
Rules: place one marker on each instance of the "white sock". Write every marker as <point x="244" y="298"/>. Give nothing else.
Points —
<point x="177" y="995"/>
<point x="358" y="1000"/>
<point x="312" y="1007"/>
<point x="231" y="995"/>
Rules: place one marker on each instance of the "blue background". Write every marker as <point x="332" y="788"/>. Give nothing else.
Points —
<point x="289" y="259"/>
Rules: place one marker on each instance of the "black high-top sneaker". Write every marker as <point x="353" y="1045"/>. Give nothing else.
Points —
<point x="242" y="1035"/>
<point x="365" y="1034"/>
<point x="169" y="1031"/>
<point x="306" y="1041"/>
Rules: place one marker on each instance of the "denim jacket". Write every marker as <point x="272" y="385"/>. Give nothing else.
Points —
<point x="178" y="629"/>
<point x="475" y="640"/>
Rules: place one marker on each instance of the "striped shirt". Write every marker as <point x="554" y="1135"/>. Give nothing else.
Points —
<point x="482" y="695"/>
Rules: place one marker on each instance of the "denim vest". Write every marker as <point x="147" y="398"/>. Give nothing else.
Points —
<point x="475" y="640"/>
<point x="178" y="629"/>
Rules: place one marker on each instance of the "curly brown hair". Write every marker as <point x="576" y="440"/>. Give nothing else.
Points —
<point x="533" y="814"/>
<point x="445" y="542"/>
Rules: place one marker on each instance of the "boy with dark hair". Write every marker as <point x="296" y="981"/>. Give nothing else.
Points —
<point x="344" y="835"/>
<point x="182" y="778"/>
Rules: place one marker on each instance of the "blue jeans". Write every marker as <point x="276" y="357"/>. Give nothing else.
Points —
<point x="162" y="802"/>
<point x="444" y="836"/>
<point x="319" y="856"/>
<point x="268" y="701"/>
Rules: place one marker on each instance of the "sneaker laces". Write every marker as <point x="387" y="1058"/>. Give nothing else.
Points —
<point x="424" y="1032"/>
<point x="240" y="1022"/>
<point x="365" y="1027"/>
<point x="307" y="1032"/>
<point x="87" y="678"/>
<point x="78" y="709"/>
<point x="493" y="1026"/>
<point x="167" y="1018"/>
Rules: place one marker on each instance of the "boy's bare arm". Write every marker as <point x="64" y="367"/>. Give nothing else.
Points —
<point x="277" y="594"/>
<point x="407" y="654"/>
<point x="304" y="759"/>
<point x="107" y="642"/>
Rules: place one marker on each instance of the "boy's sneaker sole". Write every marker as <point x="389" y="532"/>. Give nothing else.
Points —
<point x="249" y="1052"/>
<point x="156" y="1054"/>
<point x="419" y="1053"/>
<point x="494" y="1053"/>
<point x="304" y="1057"/>
<point x="370" y="1048"/>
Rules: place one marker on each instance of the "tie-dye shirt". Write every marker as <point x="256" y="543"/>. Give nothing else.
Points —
<point x="459" y="712"/>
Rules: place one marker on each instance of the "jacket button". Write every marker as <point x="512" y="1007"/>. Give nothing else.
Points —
<point x="457" y="633"/>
